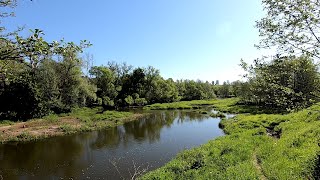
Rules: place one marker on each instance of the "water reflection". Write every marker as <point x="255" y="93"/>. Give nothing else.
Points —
<point x="42" y="158"/>
<point x="154" y="139"/>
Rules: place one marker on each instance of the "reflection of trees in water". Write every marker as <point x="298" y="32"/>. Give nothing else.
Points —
<point x="108" y="138"/>
<point x="43" y="158"/>
<point x="59" y="157"/>
<point x="187" y="116"/>
<point x="147" y="128"/>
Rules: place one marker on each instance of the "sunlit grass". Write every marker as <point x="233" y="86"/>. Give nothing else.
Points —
<point x="250" y="152"/>
<point x="195" y="104"/>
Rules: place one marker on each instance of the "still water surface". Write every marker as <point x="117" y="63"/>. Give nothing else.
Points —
<point x="111" y="153"/>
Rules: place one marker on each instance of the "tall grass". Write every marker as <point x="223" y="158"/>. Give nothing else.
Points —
<point x="250" y="152"/>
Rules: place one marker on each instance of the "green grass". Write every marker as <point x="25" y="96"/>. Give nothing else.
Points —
<point x="97" y="114"/>
<point x="195" y="104"/>
<point x="52" y="118"/>
<point x="219" y="114"/>
<point x="6" y="123"/>
<point x="249" y="152"/>
<point x="67" y="128"/>
<point x="233" y="105"/>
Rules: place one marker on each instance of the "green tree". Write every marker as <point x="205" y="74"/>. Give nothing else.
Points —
<point x="284" y="83"/>
<point x="152" y="75"/>
<point x="105" y="79"/>
<point x="133" y="83"/>
<point x="167" y="91"/>
<point x="225" y="90"/>
<point x="129" y="100"/>
<point x="6" y="7"/>
<point x="292" y="26"/>
<point x="43" y="84"/>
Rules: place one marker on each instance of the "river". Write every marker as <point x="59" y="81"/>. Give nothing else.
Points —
<point x="114" y="153"/>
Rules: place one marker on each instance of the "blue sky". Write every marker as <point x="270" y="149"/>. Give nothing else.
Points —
<point x="185" y="39"/>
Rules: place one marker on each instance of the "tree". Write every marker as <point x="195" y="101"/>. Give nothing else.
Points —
<point x="19" y="96"/>
<point x="292" y="26"/>
<point x="225" y="90"/>
<point x="6" y="11"/>
<point x="284" y="83"/>
<point x="105" y="79"/>
<point x="129" y="100"/>
<point x="217" y="82"/>
<point x="8" y="51"/>
<point x="47" y="78"/>
<point x="133" y="83"/>
<point x="167" y="91"/>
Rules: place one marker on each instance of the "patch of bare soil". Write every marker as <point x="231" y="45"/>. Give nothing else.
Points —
<point x="36" y="128"/>
<point x="41" y="128"/>
<point x="273" y="133"/>
<point x="257" y="165"/>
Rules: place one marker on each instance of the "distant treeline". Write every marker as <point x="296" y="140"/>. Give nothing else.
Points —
<point x="38" y="78"/>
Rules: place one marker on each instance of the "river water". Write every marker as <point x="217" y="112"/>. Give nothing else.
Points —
<point x="114" y="153"/>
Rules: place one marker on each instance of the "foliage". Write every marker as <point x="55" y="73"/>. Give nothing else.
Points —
<point x="192" y="90"/>
<point x="20" y="99"/>
<point x="225" y="90"/>
<point x="124" y="85"/>
<point x="105" y="79"/>
<point x="291" y="26"/>
<point x="48" y="78"/>
<point x="7" y="7"/>
<point x="284" y="83"/>
<point x="129" y="100"/>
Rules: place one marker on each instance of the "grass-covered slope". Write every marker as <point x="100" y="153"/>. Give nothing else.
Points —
<point x="255" y="147"/>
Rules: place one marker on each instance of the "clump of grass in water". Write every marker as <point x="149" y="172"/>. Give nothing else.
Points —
<point x="218" y="115"/>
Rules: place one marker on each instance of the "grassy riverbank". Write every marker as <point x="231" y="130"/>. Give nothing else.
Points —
<point x="195" y="104"/>
<point x="230" y="105"/>
<point x="79" y="120"/>
<point x="262" y="146"/>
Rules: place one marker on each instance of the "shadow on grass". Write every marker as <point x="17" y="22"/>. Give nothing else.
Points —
<point x="316" y="173"/>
